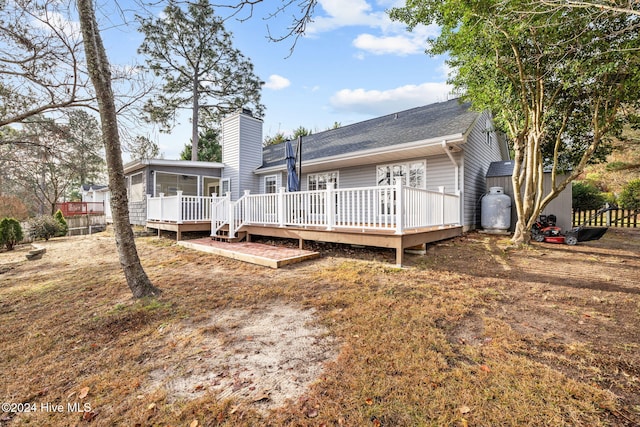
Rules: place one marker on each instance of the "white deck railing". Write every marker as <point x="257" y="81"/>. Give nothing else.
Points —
<point x="393" y="207"/>
<point x="180" y="208"/>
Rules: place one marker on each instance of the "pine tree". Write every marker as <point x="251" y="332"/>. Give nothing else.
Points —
<point x="191" y="50"/>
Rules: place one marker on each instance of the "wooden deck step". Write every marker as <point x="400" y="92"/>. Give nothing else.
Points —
<point x="223" y="236"/>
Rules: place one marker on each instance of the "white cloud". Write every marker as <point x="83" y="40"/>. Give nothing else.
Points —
<point x="402" y="43"/>
<point x="380" y="102"/>
<point x="387" y="36"/>
<point x="276" y="82"/>
<point x="398" y="45"/>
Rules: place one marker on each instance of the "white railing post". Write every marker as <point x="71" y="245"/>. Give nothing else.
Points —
<point x="458" y="193"/>
<point x="400" y="208"/>
<point x="330" y="208"/>
<point x="280" y="211"/>
<point x="161" y="207"/>
<point x="231" y="219"/>
<point x="444" y="202"/>
<point x="179" y="200"/>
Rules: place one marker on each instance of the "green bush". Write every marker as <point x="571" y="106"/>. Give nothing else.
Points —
<point x="10" y="233"/>
<point x="630" y="196"/>
<point x="43" y="227"/>
<point x="586" y="196"/>
<point x="64" y="227"/>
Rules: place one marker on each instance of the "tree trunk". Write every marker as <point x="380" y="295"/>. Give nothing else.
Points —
<point x="100" y="74"/>
<point x="195" y="137"/>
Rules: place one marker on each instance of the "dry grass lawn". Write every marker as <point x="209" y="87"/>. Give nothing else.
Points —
<point x="472" y="334"/>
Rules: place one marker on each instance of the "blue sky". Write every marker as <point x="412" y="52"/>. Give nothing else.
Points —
<point x="353" y="64"/>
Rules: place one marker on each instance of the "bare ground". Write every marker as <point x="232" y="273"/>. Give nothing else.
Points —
<point x="261" y="340"/>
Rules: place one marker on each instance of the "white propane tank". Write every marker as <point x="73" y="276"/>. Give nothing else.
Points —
<point x="495" y="211"/>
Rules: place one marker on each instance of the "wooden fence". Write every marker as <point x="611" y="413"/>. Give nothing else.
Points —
<point x="627" y="218"/>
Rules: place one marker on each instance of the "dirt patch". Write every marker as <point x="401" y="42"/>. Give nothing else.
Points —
<point x="261" y="357"/>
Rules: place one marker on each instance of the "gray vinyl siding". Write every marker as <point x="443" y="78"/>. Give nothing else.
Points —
<point x="439" y="172"/>
<point x="242" y="153"/>
<point x="478" y="155"/>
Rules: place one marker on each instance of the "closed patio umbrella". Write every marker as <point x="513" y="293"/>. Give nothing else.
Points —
<point x="293" y="183"/>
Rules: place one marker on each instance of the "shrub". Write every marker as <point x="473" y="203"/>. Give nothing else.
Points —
<point x="10" y="233"/>
<point x="630" y="196"/>
<point x="64" y="227"/>
<point x="43" y="227"/>
<point x="586" y="196"/>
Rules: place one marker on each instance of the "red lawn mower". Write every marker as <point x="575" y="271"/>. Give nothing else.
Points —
<point x="545" y="230"/>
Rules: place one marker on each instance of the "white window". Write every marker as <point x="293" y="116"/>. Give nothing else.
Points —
<point x="270" y="184"/>
<point x="136" y="188"/>
<point x="410" y="174"/>
<point x="225" y="186"/>
<point x="320" y="181"/>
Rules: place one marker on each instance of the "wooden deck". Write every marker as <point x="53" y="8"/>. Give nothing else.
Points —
<point x="179" y="228"/>
<point x="376" y="238"/>
<point x="354" y="236"/>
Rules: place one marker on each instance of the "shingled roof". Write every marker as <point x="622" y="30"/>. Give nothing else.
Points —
<point x="417" y="124"/>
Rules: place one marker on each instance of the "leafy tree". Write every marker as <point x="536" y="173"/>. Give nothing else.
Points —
<point x="275" y="139"/>
<point x="630" y="196"/>
<point x="300" y="131"/>
<point x="143" y="148"/>
<point x="624" y="7"/>
<point x="13" y="207"/>
<point x="84" y="150"/>
<point x="194" y="54"/>
<point x="586" y="196"/>
<point x="100" y="74"/>
<point x="39" y="61"/>
<point x="10" y="233"/>
<point x="281" y="137"/>
<point x="46" y="159"/>
<point x="557" y="92"/>
<point x="209" y="148"/>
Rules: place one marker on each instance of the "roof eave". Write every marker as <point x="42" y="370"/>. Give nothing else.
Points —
<point x="405" y="149"/>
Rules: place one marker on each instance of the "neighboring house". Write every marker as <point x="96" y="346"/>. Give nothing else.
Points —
<point x="395" y="177"/>
<point x="93" y="193"/>
<point x="499" y="175"/>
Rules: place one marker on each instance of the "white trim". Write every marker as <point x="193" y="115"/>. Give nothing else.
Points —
<point x="407" y="164"/>
<point x="337" y="172"/>
<point x="264" y="183"/>
<point x="139" y="164"/>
